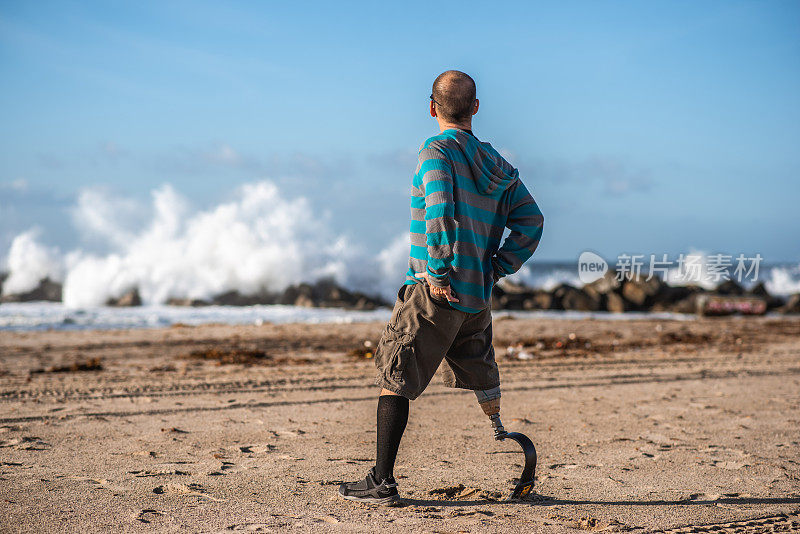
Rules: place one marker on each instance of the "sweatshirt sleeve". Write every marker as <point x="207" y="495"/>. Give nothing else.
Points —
<point x="526" y="223"/>
<point x="437" y="186"/>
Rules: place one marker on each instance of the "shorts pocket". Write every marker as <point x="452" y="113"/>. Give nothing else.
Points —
<point x="398" y="350"/>
<point x="441" y="302"/>
<point x="401" y="293"/>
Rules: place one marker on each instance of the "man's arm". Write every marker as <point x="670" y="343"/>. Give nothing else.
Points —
<point x="526" y="222"/>
<point x="437" y="186"/>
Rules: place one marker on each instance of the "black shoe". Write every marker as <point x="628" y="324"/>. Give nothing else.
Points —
<point x="369" y="491"/>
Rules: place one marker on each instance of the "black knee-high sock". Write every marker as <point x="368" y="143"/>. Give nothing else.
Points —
<point x="392" y="419"/>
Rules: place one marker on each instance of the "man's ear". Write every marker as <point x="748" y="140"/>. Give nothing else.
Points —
<point x="477" y="105"/>
<point x="433" y="109"/>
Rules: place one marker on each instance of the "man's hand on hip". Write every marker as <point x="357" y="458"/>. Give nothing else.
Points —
<point x="446" y="292"/>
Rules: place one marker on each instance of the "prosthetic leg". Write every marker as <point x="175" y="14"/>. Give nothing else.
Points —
<point x="489" y="400"/>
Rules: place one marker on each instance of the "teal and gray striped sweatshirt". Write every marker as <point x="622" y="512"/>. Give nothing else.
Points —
<point x="463" y="196"/>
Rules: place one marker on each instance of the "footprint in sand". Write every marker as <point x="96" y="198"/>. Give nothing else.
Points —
<point x="289" y="433"/>
<point x="100" y="483"/>
<point x="164" y="472"/>
<point x="280" y="521"/>
<point x="598" y="525"/>
<point x="149" y="515"/>
<point x="257" y="449"/>
<point x="460" y="512"/>
<point x="15" y="464"/>
<point x="255" y="527"/>
<point x="729" y="464"/>
<point x="701" y="497"/>
<point x="195" y="490"/>
<point x="226" y="466"/>
<point x="463" y="492"/>
<point x="26" y="443"/>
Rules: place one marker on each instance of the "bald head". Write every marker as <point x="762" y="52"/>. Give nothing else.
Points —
<point x="454" y="94"/>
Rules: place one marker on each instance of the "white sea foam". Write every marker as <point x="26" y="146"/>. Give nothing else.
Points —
<point x="29" y="262"/>
<point x="784" y="280"/>
<point x="693" y="271"/>
<point x="534" y="275"/>
<point x="700" y="268"/>
<point x="257" y="239"/>
<point x="393" y="265"/>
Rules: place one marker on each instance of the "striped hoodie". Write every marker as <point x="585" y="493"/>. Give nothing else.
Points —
<point x="463" y="196"/>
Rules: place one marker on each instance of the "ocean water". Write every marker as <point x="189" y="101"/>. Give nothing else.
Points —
<point x="57" y="316"/>
<point x="37" y="316"/>
<point x="780" y="279"/>
<point x="258" y="238"/>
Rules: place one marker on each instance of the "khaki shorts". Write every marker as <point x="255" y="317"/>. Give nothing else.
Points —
<point x="422" y="332"/>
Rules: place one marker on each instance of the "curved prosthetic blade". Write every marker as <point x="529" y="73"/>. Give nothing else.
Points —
<point x="525" y="484"/>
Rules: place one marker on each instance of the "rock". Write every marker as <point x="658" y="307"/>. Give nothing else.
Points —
<point x="683" y="298"/>
<point x="508" y="295"/>
<point x="760" y="290"/>
<point x="641" y="292"/>
<point x="792" y="305"/>
<point x="669" y="296"/>
<point x="299" y="295"/>
<point x="511" y="296"/>
<point x="608" y="283"/>
<point x="47" y="290"/>
<point x="729" y="287"/>
<point x="194" y="303"/>
<point x="3" y="277"/>
<point x="324" y="293"/>
<point x="131" y="298"/>
<point x="327" y="293"/>
<point x="538" y="300"/>
<point x="567" y="297"/>
<point x="606" y="291"/>
<point x="615" y="303"/>
<point x="304" y="301"/>
<point x="234" y="298"/>
<point x="366" y="303"/>
<point x="686" y="305"/>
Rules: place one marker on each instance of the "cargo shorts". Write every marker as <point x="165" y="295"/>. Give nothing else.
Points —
<point x="422" y="332"/>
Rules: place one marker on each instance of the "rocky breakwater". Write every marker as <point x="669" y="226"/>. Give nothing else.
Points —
<point x="608" y="294"/>
<point x="323" y="294"/>
<point x="612" y="294"/>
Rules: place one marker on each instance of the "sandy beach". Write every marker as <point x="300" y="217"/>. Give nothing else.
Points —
<point x="641" y="425"/>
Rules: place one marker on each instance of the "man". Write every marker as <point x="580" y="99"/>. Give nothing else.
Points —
<point x="463" y="196"/>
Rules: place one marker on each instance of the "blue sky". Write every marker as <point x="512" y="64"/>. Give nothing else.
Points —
<point x="649" y="127"/>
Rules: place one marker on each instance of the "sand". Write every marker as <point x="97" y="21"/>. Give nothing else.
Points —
<point x="640" y="425"/>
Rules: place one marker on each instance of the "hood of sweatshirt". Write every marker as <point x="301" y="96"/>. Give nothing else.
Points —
<point x="491" y="172"/>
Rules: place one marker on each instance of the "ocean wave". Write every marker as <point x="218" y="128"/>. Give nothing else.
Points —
<point x="258" y="240"/>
